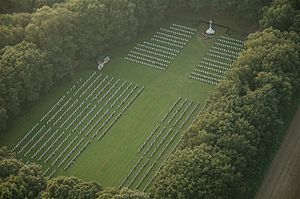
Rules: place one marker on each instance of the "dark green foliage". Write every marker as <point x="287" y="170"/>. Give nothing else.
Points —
<point x="52" y="29"/>
<point x="101" y="25"/>
<point x="24" y="73"/>
<point x="11" y="35"/>
<point x="15" y="19"/>
<point x="244" y="7"/>
<point x="281" y="14"/>
<point x="10" y="6"/>
<point x="12" y="28"/>
<point x="71" y="187"/>
<point x="124" y="193"/>
<point x="199" y="172"/>
<point x="19" y="180"/>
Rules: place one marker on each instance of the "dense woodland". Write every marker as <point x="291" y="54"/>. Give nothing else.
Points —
<point x="223" y="155"/>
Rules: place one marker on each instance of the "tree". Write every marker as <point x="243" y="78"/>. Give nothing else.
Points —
<point x="10" y="35"/>
<point x="251" y="7"/>
<point x="19" y="180"/>
<point x="102" y="25"/>
<point x="12" y="28"/>
<point x="15" y="19"/>
<point x="124" y="193"/>
<point x="201" y="172"/>
<point x="24" y="73"/>
<point x="71" y="187"/>
<point x="10" y="6"/>
<point x="52" y="30"/>
<point x="280" y="15"/>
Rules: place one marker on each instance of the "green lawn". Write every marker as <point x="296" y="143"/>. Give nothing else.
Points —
<point x="109" y="160"/>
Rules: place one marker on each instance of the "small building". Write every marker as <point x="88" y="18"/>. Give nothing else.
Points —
<point x="102" y="60"/>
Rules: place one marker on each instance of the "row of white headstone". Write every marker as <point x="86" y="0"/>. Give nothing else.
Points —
<point x="44" y="133"/>
<point x="55" y="114"/>
<point x="173" y="37"/>
<point x="77" y="155"/>
<point x="177" y="111"/>
<point x="175" y="33"/>
<point x="154" y="53"/>
<point x="230" y="52"/>
<point x="147" y="60"/>
<point x="206" y="76"/>
<point x="40" y="138"/>
<point x="60" y="108"/>
<point x="162" y="130"/>
<point x="155" y="129"/>
<point x="51" y="145"/>
<point x="208" y="73"/>
<point x="185" y="27"/>
<point x="139" y="171"/>
<point x="181" y="30"/>
<point x="65" y="112"/>
<point x="162" y="47"/>
<point x="167" y="42"/>
<point x="113" y="113"/>
<point x="238" y="45"/>
<point x="204" y="80"/>
<point x="124" y="109"/>
<point x="108" y="92"/>
<point x="169" y="39"/>
<point x="149" y="56"/>
<point x="219" y="56"/>
<point x="78" y="115"/>
<point x="144" y="63"/>
<point x="229" y="46"/>
<point x="216" y="61"/>
<point x="80" y="142"/>
<point x="103" y="88"/>
<point x="96" y="88"/>
<point x="172" y="138"/>
<point x="83" y="85"/>
<point x="220" y="71"/>
<point x="31" y="139"/>
<point x="222" y="53"/>
<point x="164" y="149"/>
<point x="132" y="169"/>
<point x="181" y="115"/>
<point x="56" y="148"/>
<point x="213" y="65"/>
<point x="84" y="118"/>
<point x="90" y="85"/>
<point x="159" y="50"/>
<point x="70" y="153"/>
<point x="232" y="39"/>
<point x="64" y="150"/>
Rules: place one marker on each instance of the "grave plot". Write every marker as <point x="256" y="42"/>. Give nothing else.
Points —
<point x="160" y="143"/>
<point x="162" y="48"/>
<point x="217" y="62"/>
<point x="84" y="115"/>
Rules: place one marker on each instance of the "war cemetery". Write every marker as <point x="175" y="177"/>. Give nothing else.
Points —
<point x="120" y="100"/>
<point x="100" y="106"/>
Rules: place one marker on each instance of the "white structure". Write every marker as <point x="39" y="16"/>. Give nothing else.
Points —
<point x="102" y="63"/>
<point x="210" y="30"/>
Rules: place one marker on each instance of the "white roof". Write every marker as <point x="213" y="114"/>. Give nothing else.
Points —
<point x="210" y="31"/>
